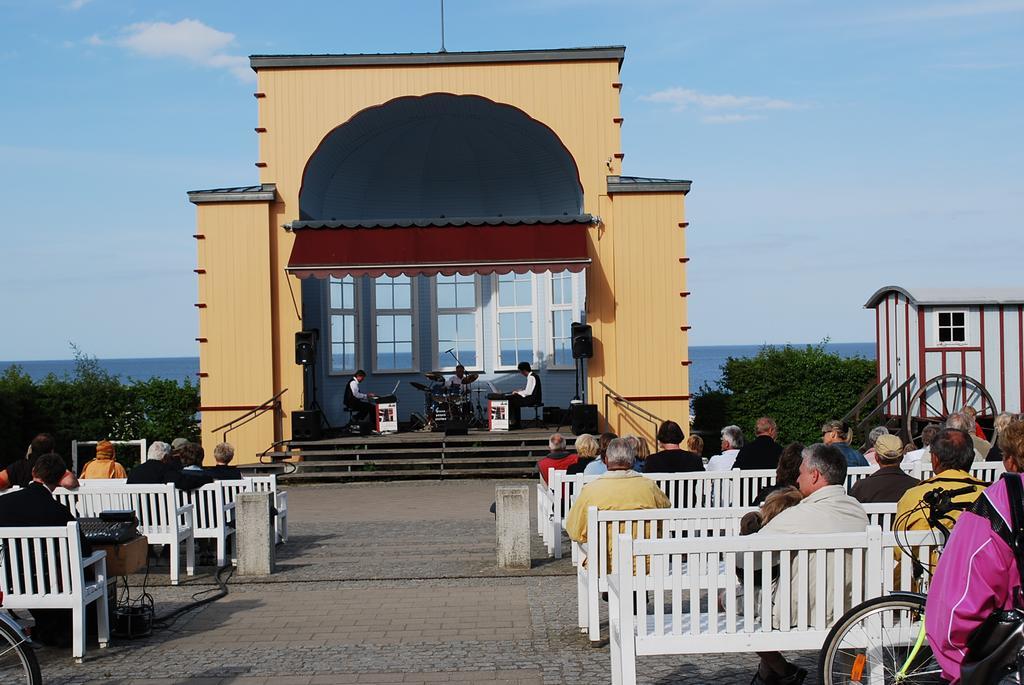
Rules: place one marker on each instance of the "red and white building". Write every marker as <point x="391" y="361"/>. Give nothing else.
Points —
<point x="927" y="333"/>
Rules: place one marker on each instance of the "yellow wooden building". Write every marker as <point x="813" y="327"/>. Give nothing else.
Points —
<point x="409" y="204"/>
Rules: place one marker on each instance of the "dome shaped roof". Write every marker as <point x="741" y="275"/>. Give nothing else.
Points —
<point x="440" y="155"/>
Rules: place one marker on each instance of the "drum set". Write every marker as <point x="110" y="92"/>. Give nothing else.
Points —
<point x="445" y="405"/>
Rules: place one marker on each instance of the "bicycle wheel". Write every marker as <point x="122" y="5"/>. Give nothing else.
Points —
<point x="18" y="662"/>
<point x="873" y="642"/>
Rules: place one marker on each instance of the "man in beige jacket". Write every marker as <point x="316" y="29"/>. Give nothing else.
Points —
<point x="825" y="508"/>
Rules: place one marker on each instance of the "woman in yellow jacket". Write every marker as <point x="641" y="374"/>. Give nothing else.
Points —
<point x="104" y="465"/>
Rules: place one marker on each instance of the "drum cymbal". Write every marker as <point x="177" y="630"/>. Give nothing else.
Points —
<point x="435" y="376"/>
<point x="419" y="386"/>
<point x="470" y="378"/>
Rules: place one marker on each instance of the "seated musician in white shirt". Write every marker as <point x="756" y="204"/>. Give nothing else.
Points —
<point x="530" y="396"/>
<point x="356" y="400"/>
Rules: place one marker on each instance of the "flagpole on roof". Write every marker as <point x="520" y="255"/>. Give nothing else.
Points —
<point x="442" y="27"/>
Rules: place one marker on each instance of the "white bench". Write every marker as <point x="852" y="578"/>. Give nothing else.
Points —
<point x="161" y="518"/>
<point x="42" y="567"/>
<point x="603" y="528"/>
<point x="280" y="499"/>
<point x="732" y="616"/>
<point x="686" y="625"/>
<point x="213" y="511"/>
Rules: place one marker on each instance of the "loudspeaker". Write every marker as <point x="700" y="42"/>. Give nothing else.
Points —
<point x="305" y="347"/>
<point x="456" y="428"/>
<point x="306" y="425"/>
<point x="582" y="341"/>
<point x="583" y="418"/>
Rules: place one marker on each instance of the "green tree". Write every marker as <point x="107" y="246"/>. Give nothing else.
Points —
<point x="800" y="388"/>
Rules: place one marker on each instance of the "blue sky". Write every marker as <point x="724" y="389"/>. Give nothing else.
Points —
<point x="834" y="147"/>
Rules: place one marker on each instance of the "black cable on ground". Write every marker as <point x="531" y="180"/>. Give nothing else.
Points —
<point x="167" y="620"/>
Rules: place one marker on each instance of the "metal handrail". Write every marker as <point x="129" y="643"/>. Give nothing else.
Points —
<point x="631" y="406"/>
<point x="272" y="403"/>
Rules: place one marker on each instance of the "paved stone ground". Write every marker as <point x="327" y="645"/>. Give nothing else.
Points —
<point x="382" y="583"/>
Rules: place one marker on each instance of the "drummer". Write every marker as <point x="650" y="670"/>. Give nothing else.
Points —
<point x="458" y="381"/>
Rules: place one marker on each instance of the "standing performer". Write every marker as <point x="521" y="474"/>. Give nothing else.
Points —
<point x="355" y="400"/>
<point x="530" y="396"/>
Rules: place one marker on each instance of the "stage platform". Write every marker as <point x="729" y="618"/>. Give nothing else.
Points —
<point x="417" y="455"/>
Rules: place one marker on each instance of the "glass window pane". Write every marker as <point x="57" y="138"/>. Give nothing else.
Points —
<point x="446" y="296"/>
<point x="507" y="356"/>
<point x="944" y="318"/>
<point x="466" y="295"/>
<point x="468" y="356"/>
<point x="506" y="326"/>
<point x="944" y="335"/>
<point x="403" y="328"/>
<point x="506" y="294"/>
<point x="385" y="329"/>
<point x="524" y="324"/>
<point x="403" y="296"/>
<point x="385" y="356"/>
<point x="384" y="299"/>
<point x="403" y="355"/>
<point x="958" y="318"/>
<point x="446" y="327"/>
<point x="524" y="293"/>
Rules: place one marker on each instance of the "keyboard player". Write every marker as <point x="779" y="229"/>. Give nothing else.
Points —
<point x="530" y="396"/>
<point x="358" y="402"/>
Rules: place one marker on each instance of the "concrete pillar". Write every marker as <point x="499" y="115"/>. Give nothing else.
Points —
<point x="254" y="533"/>
<point x="512" y="519"/>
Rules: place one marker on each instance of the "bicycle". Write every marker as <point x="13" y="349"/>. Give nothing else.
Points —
<point x="882" y="641"/>
<point x="18" y="663"/>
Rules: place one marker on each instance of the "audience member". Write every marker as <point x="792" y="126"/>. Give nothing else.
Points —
<point x="223" y="470"/>
<point x="157" y="451"/>
<point x="643" y="451"/>
<point x="179" y="442"/>
<point x="103" y="465"/>
<point x="876" y="432"/>
<point x="825" y="508"/>
<point x="34" y="505"/>
<point x="977" y="572"/>
<point x="923" y="455"/>
<point x="889" y="483"/>
<point x="971" y="414"/>
<point x="598" y="465"/>
<point x="838" y="433"/>
<point x="619" y="489"/>
<point x="19" y="473"/>
<point x="695" y="444"/>
<point x="732" y="442"/>
<point x="558" y="457"/>
<point x="786" y="473"/>
<point x="170" y="469"/>
<point x="587" y="448"/>
<point x="774" y="504"/>
<point x="670" y="457"/>
<point x="1003" y="420"/>
<point x="952" y="455"/>
<point x="960" y="421"/>
<point x="764" y="451"/>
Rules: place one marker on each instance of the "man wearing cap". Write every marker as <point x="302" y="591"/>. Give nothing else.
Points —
<point x="889" y="482"/>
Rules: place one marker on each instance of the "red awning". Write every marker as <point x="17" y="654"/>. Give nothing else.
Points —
<point x="430" y="250"/>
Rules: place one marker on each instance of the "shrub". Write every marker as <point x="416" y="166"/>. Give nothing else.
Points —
<point x="91" y="404"/>
<point x="800" y="388"/>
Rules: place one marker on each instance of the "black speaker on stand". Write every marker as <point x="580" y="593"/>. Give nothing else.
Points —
<point x="308" y="424"/>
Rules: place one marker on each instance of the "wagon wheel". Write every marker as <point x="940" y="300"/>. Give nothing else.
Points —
<point x="943" y="395"/>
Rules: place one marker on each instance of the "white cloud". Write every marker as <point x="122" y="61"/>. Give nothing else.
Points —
<point x="729" y="118"/>
<point x="683" y="98"/>
<point x="719" y="108"/>
<point x="953" y="10"/>
<point x="188" y="39"/>
<point x="76" y="5"/>
<point x="94" y="39"/>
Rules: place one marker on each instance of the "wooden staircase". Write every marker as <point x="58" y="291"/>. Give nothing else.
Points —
<point x="420" y="455"/>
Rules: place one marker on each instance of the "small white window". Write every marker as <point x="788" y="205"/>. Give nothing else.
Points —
<point x="343" y="317"/>
<point x="951" y="327"/>
<point x="394" y="338"/>
<point x="458" y="321"/>
<point x="515" y="338"/>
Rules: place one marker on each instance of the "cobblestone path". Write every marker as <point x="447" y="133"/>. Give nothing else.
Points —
<point x="382" y="583"/>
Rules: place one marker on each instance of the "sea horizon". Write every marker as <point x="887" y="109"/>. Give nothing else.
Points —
<point x="706" y="367"/>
